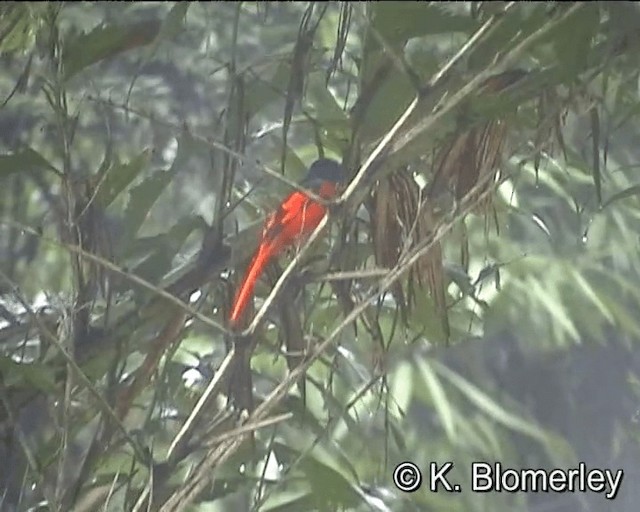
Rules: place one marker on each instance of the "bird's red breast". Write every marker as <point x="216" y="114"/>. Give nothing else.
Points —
<point x="297" y="216"/>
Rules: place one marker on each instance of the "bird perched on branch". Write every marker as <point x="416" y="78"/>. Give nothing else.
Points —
<point x="298" y="215"/>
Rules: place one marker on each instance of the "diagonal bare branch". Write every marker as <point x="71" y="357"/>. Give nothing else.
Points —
<point x="119" y="271"/>
<point x="203" y="473"/>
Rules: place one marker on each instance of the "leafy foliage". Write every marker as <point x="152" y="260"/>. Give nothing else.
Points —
<point x="478" y="278"/>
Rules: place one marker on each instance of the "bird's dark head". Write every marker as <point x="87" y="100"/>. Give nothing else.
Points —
<point x="323" y="170"/>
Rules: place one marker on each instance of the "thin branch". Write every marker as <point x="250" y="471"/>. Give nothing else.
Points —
<point x="71" y="363"/>
<point x="181" y="498"/>
<point x="32" y="462"/>
<point x="188" y="425"/>
<point x="373" y="156"/>
<point x="215" y="145"/>
<point x="119" y="271"/>
<point x="283" y="277"/>
<point x="203" y="473"/>
<point x="462" y="93"/>
<point x="348" y="275"/>
<point x="250" y="427"/>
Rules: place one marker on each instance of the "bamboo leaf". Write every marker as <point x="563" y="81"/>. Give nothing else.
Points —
<point x="27" y="160"/>
<point x="631" y="191"/>
<point x="441" y="402"/>
<point x="487" y="404"/>
<point x="105" y="42"/>
<point x="119" y="176"/>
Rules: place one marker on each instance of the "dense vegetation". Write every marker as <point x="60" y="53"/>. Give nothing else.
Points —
<point x="473" y="296"/>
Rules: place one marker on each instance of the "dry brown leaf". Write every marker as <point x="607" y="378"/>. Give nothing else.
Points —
<point x="399" y="224"/>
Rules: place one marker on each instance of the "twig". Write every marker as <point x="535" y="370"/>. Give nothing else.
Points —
<point x="250" y="427"/>
<point x="199" y="407"/>
<point x="32" y="461"/>
<point x="102" y="403"/>
<point x="119" y="271"/>
<point x="283" y="277"/>
<point x="355" y="182"/>
<point x="214" y="144"/>
<point x="462" y="93"/>
<point x="347" y="275"/>
<point x="202" y="474"/>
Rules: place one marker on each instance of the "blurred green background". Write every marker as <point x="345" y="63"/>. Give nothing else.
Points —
<point x="140" y="132"/>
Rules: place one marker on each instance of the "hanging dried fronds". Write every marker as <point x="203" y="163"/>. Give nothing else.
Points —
<point x="387" y="231"/>
<point x="469" y="158"/>
<point x="88" y="231"/>
<point x="430" y="269"/>
<point x="400" y="221"/>
<point x="92" y="233"/>
<point x="467" y="162"/>
<point x="489" y="145"/>
<point x="552" y="113"/>
<point x="472" y="156"/>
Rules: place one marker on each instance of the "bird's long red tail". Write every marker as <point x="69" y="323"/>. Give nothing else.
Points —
<point x="263" y="255"/>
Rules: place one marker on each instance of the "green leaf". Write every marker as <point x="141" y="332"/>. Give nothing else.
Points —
<point x="27" y="160"/>
<point x="323" y="476"/>
<point x="425" y="318"/>
<point x="589" y="293"/>
<point x="272" y="82"/>
<point x="395" y="23"/>
<point x="268" y="87"/>
<point x="119" y="176"/>
<point x="458" y="275"/>
<point x="105" y="42"/>
<point x="595" y="149"/>
<point x="159" y="251"/>
<point x="625" y="320"/>
<point x="573" y="38"/>
<point x="517" y="25"/>
<point x="399" y="436"/>
<point x="18" y="24"/>
<point x="398" y="22"/>
<point x="170" y="27"/>
<point x="401" y="386"/>
<point x="289" y="501"/>
<point x="188" y="148"/>
<point x="487" y="404"/>
<point x="550" y="300"/>
<point x="174" y="21"/>
<point x="441" y="403"/>
<point x="26" y="375"/>
<point x="325" y="109"/>
<point x="389" y="101"/>
<point x="634" y="190"/>
<point x="141" y="199"/>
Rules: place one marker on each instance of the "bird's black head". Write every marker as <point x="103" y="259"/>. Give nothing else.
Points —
<point x="325" y="169"/>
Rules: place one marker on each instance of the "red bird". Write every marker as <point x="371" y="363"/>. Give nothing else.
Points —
<point x="298" y="215"/>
